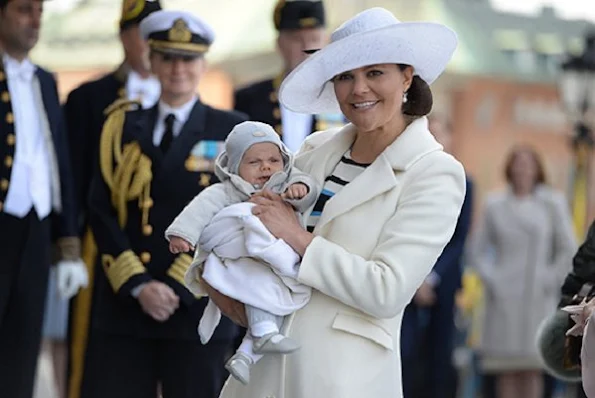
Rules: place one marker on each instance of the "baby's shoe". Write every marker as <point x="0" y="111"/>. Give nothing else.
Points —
<point x="239" y="367"/>
<point x="274" y="343"/>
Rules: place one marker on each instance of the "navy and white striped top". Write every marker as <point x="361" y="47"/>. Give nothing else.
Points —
<point x="345" y="171"/>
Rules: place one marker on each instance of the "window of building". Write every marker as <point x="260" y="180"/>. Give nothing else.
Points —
<point x="522" y="61"/>
<point x="549" y="63"/>
<point x="548" y="48"/>
<point x="515" y="46"/>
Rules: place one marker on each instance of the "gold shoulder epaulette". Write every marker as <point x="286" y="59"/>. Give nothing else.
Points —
<point x="122" y="104"/>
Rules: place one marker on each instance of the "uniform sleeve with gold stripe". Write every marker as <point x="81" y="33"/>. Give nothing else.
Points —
<point x="175" y="278"/>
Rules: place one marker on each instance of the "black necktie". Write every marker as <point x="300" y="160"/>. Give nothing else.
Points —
<point x="168" y="135"/>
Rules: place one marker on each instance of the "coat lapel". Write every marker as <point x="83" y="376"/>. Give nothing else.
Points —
<point x="191" y="133"/>
<point x="321" y="161"/>
<point x="45" y="97"/>
<point x="378" y="178"/>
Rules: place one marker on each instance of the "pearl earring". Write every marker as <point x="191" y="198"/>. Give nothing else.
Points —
<point x="405" y="97"/>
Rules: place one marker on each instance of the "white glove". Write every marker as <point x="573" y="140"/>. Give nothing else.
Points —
<point x="72" y="275"/>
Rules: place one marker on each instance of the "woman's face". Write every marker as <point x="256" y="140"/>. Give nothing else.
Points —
<point x="370" y="97"/>
<point x="523" y="171"/>
<point x="179" y="75"/>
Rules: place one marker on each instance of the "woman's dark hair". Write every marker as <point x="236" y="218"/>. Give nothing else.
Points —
<point x="514" y="153"/>
<point x="419" y="96"/>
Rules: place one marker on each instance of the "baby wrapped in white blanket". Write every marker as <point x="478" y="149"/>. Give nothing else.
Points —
<point x="246" y="262"/>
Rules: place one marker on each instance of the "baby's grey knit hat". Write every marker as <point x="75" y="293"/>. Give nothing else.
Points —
<point x="246" y="134"/>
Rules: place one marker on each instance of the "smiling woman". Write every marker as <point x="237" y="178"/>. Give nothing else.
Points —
<point x="390" y="201"/>
<point x="370" y="88"/>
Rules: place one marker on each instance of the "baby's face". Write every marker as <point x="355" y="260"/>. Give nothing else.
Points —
<point x="260" y="162"/>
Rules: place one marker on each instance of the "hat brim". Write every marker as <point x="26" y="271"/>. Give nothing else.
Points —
<point x="179" y="52"/>
<point x="426" y="46"/>
<point x="181" y="49"/>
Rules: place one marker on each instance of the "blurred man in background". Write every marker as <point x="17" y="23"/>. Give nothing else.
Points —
<point x="301" y="25"/>
<point x="36" y="202"/>
<point x="428" y="324"/>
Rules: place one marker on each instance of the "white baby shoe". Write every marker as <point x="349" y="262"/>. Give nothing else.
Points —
<point x="274" y="343"/>
<point x="239" y="367"/>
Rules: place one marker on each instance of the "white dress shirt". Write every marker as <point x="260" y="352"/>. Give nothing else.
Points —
<point x="296" y="127"/>
<point x="182" y="113"/>
<point x="146" y="90"/>
<point x="30" y="181"/>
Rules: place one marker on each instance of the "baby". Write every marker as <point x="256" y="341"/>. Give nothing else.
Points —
<point x="235" y="253"/>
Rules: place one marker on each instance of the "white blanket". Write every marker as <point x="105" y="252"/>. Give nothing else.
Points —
<point x="243" y="260"/>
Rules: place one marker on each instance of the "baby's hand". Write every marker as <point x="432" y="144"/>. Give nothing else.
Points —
<point x="295" y="191"/>
<point x="179" y="245"/>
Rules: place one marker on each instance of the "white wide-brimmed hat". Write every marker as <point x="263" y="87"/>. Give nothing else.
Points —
<point x="373" y="36"/>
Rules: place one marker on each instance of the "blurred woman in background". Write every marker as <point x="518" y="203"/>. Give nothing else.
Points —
<point x="523" y="249"/>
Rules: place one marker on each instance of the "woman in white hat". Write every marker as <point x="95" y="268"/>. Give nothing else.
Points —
<point x="390" y="203"/>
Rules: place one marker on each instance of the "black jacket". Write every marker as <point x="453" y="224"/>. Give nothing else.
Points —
<point x="63" y="223"/>
<point x="261" y="103"/>
<point x="583" y="268"/>
<point x="84" y="116"/>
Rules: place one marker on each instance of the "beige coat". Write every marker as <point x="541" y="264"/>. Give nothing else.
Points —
<point x="522" y="251"/>
<point x="374" y="244"/>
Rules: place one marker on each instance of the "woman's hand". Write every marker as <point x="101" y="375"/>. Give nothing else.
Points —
<point x="279" y="218"/>
<point x="231" y="308"/>
<point x="276" y="214"/>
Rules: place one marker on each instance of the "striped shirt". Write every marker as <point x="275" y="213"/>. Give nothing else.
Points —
<point x="345" y="171"/>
